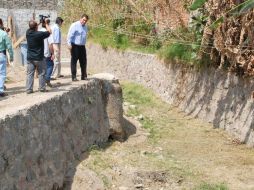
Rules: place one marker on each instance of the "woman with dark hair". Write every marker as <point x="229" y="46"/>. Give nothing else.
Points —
<point x="2" y="26"/>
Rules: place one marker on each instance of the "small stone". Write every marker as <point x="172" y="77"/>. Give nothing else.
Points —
<point x="139" y="186"/>
<point x="133" y="106"/>
<point x="123" y="188"/>
<point x="140" y="117"/>
<point x="126" y="104"/>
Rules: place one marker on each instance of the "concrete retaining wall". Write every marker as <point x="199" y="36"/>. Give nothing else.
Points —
<point x="41" y="144"/>
<point x="215" y="96"/>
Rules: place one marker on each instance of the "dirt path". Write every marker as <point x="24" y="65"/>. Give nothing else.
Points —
<point x="169" y="151"/>
<point x="17" y="98"/>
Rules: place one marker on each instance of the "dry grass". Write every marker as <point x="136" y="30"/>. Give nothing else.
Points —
<point x="171" y="151"/>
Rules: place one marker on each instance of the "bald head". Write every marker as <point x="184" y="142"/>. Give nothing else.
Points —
<point x="33" y="25"/>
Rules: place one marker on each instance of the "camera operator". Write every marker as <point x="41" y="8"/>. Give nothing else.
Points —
<point x="5" y="44"/>
<point x="35" y="55"/>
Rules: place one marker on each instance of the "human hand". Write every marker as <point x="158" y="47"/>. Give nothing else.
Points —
<point x="69" y="47"/>
<point x="47" y="20"/>
<point x="52" y="57"/>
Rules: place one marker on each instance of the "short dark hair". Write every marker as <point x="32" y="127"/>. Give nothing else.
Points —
<point x="33" y="24"/>
<point x="85" y="15"/>
<point x="1" y="22"/>
<point x="59" y="20"/>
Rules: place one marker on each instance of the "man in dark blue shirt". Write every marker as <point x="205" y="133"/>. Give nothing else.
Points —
<point x="35" y="55"/>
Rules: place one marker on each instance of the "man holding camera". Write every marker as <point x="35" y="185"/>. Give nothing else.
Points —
<point x="76" y="41"/>
<point x="35" y="55"/>
<point x="5" y="44"/>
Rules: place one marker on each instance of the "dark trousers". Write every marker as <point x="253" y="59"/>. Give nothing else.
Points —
<point x="78" y="53"/>
<point x="41" y="67"/>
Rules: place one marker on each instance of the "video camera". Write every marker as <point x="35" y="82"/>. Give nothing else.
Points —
<point x="42" y="18"/>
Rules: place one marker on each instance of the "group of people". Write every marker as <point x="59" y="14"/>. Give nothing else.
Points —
<point x="44" y="52"/>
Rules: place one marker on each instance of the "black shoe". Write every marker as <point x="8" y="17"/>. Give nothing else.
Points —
<point x="85" y="78"/>
<point x="74" y="79"/>
<point x="3" y="94"/>
<point x="29" y="91"/>
<point x="60" y="76"/>
<point x="43" y="90"/>
<point x="49" y="84"/>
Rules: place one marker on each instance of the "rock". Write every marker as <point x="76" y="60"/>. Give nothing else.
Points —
<point x="139" y="186"/>
<point x="106" y="76"/>
<point x="132" y="106"/>
<point x="123" y="188"/>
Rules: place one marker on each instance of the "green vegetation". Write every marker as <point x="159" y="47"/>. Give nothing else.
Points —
<point x="142" y="99"/>
<point x="132" y="25"/>
<point x="110" y="38"/>
<point x="120" y="25"/>
<point x="180" y="51"/>
<point x="207" y="186"/>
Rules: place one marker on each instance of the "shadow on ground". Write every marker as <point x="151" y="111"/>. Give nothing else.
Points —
<point x="129" y="128"/>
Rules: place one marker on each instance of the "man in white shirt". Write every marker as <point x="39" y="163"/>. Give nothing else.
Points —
<point x="76" y="41"/>
<point x="56" y="41"/>
<point x="48" y="56"/>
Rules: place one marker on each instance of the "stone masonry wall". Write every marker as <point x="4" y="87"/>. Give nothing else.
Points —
<point x="41" y="144"/>
<point x="28" y="4"/>
<point x="219" y="98"/>
<point x="22" y="11"/>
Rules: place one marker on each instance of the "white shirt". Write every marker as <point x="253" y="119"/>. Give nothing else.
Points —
<point x="47" y="41"/>
<point x="77" y="34"/>
<point x="56" y="34"/>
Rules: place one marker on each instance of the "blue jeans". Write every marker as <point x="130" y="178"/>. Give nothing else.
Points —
<point x="50" y="66"/>
<point x="3" y="62"/>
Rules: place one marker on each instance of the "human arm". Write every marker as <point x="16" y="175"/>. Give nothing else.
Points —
<point x="70" y="36"/>
<point x="47" y="26"/>
<point x="9" y="46"/>
<point x="51" y="48"/>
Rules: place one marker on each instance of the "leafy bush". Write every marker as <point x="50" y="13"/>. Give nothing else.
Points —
<point x="180" y="52"/>
<point x="121" y="40"/>
<point x="117" y="22"/>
